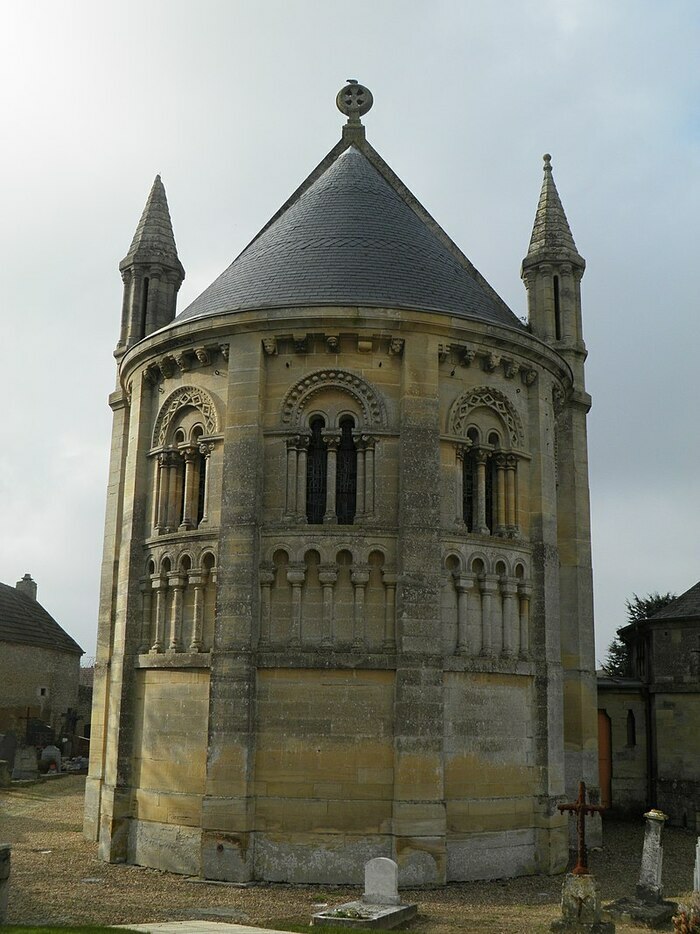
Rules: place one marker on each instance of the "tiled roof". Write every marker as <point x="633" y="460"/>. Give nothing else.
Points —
<point x="350" y="238"/>
<point x="683" y="607"/>
<point x="24" y="621"/>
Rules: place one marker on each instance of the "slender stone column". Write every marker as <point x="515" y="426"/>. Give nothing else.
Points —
<point x="332" y="441"/>
<point x="146" y="603"/>
<point x="327" y="575"/>
<point x="189" y="505"/>
<point x="474" y="628"/>
<point x="461" y="453"/>
<point x="302" y="448"/>
<point x="501" y="520"/>
<point x="481" y="460"/>
<point x="196" y="579"/>
<point x="206" y="450"/>
<point x="177" y="582"/>
<point x="155" y="518"/>
<point x="296" y="575"/>
<point x="389" y="579"/>
<point x="525" y="591"/>
<point x="360" y="485"/>
<point x="359" y="578"/>
<point x="163" y="490"/>
<point x="291" y="504"/>
<point x="369" y="444"/>
<point x="161" y="589"/>
<point x="511" y="496"/>
<point x="511" y="633"/>
<point x="266" y="577"/>
<point x="464" y="583"/>
<point x="489" y="590"/>
<point x="172" y="506"/>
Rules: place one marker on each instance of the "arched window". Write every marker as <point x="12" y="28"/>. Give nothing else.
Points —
<point x="346" y="476"/>
<point x="631" y="729"/>
<point x="316" y="474"/>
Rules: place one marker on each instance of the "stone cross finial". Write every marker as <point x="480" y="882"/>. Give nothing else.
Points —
<point x="581" y="809"/>
<point x="354" y="100"/>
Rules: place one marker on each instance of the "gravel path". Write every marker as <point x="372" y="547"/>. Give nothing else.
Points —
<point x="57" y="879"/>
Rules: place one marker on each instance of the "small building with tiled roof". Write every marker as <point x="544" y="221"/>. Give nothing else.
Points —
<point x="651" y="720"/>
<point x="39" y="665"/>
<point x="346" y="597"/>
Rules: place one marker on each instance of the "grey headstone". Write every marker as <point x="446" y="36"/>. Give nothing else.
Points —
<point x="696" y="875"/>
<point x="25" y="763"/>
<point x="381" y="882"/>
<point x="649" y="888"/>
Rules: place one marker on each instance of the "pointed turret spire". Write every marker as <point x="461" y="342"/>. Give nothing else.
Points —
<point x="151" y="271"/>
<point x="552" y="272"/>
<point x="551" y="235"/>
<point x="154" y="240"/>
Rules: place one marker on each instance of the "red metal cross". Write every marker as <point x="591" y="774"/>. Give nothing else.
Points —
<point x="581" y="809"/>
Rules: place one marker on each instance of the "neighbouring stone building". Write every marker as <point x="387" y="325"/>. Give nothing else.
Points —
<point x="39" y="667"/>
<point x="649" y="724"/>
<point x="346" y="603"/>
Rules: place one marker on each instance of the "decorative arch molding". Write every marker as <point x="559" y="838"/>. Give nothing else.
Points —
<point x="298" y="397"/>
<point x="484" y="396"/>
<point x="184" y="397"/>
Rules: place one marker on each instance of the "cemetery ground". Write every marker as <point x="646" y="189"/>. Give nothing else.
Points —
<point x="57" y="879"/>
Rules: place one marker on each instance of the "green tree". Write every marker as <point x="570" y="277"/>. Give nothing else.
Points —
<point x="618" y="662"/>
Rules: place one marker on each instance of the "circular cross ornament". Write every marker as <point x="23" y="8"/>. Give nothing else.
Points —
<point x="354" y="100"/>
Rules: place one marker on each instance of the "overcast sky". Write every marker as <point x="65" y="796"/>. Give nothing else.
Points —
<point x="233" y="103"/>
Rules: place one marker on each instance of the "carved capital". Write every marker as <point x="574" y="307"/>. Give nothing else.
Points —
<point x="481" y="455"/>
<point x="489" y="583"/>
<point x="462" y="448"/>
<point x="501" y="461"/>
<point x="206" y="448"/>
<point x="328" y="574"/>
<point x="360" y="575"/>
<point x="511" y="462"/>
<point x="266" y="574"/>
<point x="389" y="578"/>
<point x="465" y="582"/>
<point x="331" y="439"/>
<point x="296" y="574"/>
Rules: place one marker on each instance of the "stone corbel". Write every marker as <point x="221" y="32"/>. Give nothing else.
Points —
<point x="166" y="366"/>
<point x="528" y="376"/>
<point x="510" y="368"/>
<point x="301" y="343"/>
<point x="270" y="346"/>
<point x="364" y="345"/>
<point x="396" y="345"/>
<point x="183" y="360"/>
<point x="467" y="356"/>
<point x="443" y="352"/>
<point x="151" y="374"/>
<point x="223" y="350"/>
<point x="333" y="343"/>
<point x="492" y="362"/>
<point x="202" y="354"/>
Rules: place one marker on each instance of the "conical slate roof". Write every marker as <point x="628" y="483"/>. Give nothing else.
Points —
<point x="154" y="240"/>
<point x="551" y="235"/>
<point x="24" y="621"/>
<point x="350" y="237"/>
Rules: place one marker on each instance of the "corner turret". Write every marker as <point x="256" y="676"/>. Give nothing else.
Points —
<point x="151" y="271"/>
<point x="552" y="272"/>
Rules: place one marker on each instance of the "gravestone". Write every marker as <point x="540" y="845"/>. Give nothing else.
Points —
<point x="381" y="882"/>
<point x="5" y="851"/>
<point x="647" y="907"/>
<point x="25" y="764"/>
<point x="649" y="887"/>
<point x="380" y="906"/>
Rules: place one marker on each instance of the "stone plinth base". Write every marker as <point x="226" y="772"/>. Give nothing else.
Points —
<point x="581" y="911"/>
<point x="636" y="911"/>
<point x="361" y="915"/>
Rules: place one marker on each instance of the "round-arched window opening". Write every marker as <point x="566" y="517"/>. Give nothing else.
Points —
<point x="346" y="474"/>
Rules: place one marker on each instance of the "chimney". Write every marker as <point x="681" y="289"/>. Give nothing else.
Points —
<point x="27" y="586"/>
